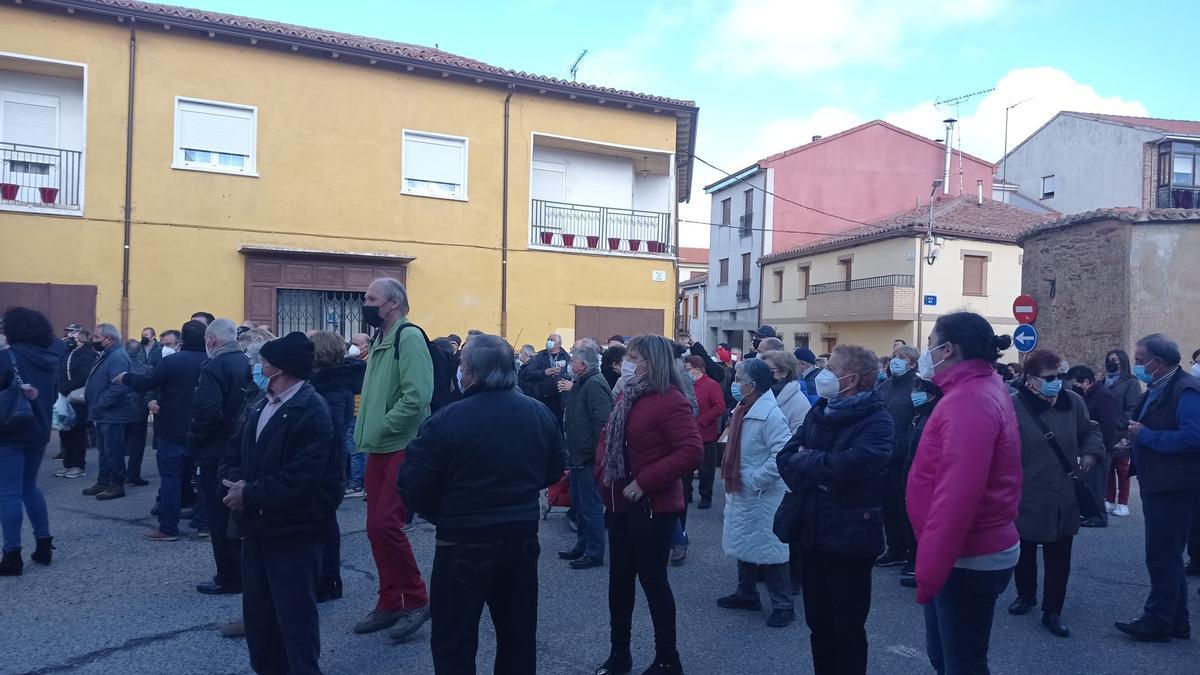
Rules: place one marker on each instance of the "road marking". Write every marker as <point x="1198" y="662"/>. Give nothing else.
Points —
<point x="906" y="651"/>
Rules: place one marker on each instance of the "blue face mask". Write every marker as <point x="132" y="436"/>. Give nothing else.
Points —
<point x="1050" y="389"/>
<point x="736" y="390"/>
<point x="882" y="376"/>
<point x="260" y="380"/>
<point x="898" y="366"/>
<point x="919" y="398"/>
<point x="1139" y="371"/>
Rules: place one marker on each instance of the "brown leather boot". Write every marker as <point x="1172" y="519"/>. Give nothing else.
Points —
<point x="114" y="491"/>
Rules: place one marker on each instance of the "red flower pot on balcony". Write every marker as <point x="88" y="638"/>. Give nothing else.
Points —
<point x="654" y="246"/>
<point x="568" y="240"/>
<point x="635" y="244"/>
<point x="49" y="194"/>
<point x="614" y="243"/>
<point x="8" y="191"/>
<point x="547" y="238"/>
<point x="593" y="240"/>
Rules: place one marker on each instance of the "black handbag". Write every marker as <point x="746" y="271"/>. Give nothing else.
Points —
<point x="15" y="410"/>
<point x="1088" y="508"/>
<point x="787" y="519"/>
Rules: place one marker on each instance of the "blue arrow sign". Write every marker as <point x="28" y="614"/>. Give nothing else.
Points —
<point x="1025" y="337"/>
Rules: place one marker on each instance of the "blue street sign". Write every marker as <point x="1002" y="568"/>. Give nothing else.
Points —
<point x="931" y="300"/>
<point x="1025" y="337"/>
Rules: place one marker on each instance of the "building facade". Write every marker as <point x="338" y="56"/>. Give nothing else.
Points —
<point x="1129" y="276"/>
<point x="819" y="189"/>
<point x="692" y="315"/>
<point x="873" y="285"/>
<point x="315" y="162"/>
<point x="692" y="261"/>
<point x="1079" y="162"/>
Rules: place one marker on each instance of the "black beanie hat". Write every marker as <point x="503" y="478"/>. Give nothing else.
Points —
<point x="292" y="353"/>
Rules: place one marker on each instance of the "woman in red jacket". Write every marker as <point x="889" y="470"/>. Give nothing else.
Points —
<point x="648" y="445"/>
<point x="712" y="408"/>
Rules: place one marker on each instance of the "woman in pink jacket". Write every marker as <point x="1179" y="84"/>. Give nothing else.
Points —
<point x="963" y="492"/>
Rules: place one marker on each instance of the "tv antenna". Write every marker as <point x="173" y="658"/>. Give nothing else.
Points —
<point x="575" y="66"/>
<point x="956" y="101"/>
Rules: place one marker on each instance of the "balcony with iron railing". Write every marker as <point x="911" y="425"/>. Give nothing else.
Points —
<point x="746" y="225"/>
<point x="884" y="298"/>
<point x="599" y="229"/>
<point x="743" y="290"/>
<point x="40" y="178"/>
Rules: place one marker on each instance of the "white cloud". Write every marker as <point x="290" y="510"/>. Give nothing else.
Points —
<point x="800" y="37"/>
<point x="631" y="64"/>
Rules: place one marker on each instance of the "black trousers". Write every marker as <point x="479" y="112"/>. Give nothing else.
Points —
<point x="708" y="472"/>
<point x="895" y="516"/>
<point x="279" y="603"/>
<point x="637" y="554"/>
<point x="331" y="551"/>
<point x="1169" y="518"/>
<point x="227" y="552"/>
<point x="1193" y="543"/>
<point x="501" y="574"/>
<point x="74" y="444"/>
<point x="135" y="448"/>
<point x="1056" y="557"/>
<point x="187" y="497"/>
<point x="837" y="600"/>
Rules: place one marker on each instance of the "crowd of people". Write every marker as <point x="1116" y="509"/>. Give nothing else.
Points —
<point x="942" y="462"/>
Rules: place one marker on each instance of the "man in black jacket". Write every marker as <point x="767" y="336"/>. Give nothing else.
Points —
<point x="72" y="374"/>
<point x="544" y="372"/>
<point x="174" y="380"/>
<point x="588" y="403"/>
<point x="283" y="471"/>
<point x="221" y="391"/>
<point x="896" y="392"/>
<point x="1102" y="409"/>
<point x="477" y="476"/>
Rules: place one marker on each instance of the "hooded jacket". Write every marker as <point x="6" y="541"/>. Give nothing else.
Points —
<point x="338" y="385"/>
<point x="38" y="366"/>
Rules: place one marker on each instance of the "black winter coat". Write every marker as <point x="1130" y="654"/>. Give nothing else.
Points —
<point x="535" y="375"/>
<point x="338" y="385"/>
<point x="173" y="382"/>
<point x="73" y="373"/>
<point x="896" y="393"/>
<point x="585" y="410"/>
<point x="840" y="476"/>
<point x="476" y="473"/>
<point x="37" y="366"/>
<point x="292" y="470"/>
<point x="223" y="387"/>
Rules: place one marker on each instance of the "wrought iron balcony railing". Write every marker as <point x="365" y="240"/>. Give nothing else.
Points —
<point x="901" y="280"/>
<point x="600" y="228"/>
<point x="35" y="176"/>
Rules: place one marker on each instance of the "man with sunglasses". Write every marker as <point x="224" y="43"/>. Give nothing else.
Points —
<point x="1165" y="435"/>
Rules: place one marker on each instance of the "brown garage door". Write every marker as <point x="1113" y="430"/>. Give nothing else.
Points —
<point x="601" y="322"/>
<point x="64" y="304"/>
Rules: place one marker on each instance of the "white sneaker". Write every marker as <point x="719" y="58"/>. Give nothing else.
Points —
<point x="73" y="472"/>
<point x="1121" y="510"/>
<point x="1109" y="507"/>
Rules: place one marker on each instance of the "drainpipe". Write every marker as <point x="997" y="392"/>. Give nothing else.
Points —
<point x="128" y="179"/>
<point x="504" y="225"/>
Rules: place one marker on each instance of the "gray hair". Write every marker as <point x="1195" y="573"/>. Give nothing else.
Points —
<point x="758" y="373"/>
<point x="392" y="289"/>
<point x="906" y="352"/>
<point x="663" y="369"/>
<point x="785" y="361"/>
<point x="223" y="331"/>
<point x="770" y="345"/>
<point x="528" y="350"/>
<point x="859" y="361"/>
<point x="588" y="356"/>
<point x="1162" y="348"/>
<point x="109" y="331"/>
<point x="488" y="360"/>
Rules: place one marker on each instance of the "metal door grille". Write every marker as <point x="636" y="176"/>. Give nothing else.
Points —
<point x="338" y="311"/>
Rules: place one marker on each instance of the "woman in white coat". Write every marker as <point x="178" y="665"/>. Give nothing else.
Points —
<point x="758" y="430"/>
<point x="786" y="371"/>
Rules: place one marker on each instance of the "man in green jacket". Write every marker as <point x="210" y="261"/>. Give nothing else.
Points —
<point x="394" y="403"/>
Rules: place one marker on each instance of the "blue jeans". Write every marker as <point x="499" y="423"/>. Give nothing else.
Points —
<point x="110" y="441"/>
<point x="589" y="512"/>
<point x="358" y="460"/>
<point x="958" y="622"/>
<point x="1168" y="522"/>
<point x="170" y="491"/>
<point x="18" y="485"/>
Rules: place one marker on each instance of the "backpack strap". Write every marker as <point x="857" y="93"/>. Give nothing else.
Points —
<point x="396" y="347"/>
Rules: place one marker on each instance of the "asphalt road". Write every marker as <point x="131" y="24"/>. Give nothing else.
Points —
<point x="115" y="603"/>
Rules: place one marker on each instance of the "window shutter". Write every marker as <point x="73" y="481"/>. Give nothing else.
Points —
<point x="31" y="121"/>
<point x="216" y="128"/>
<point x="433" y="159"/>
<point x="974" y="275"/>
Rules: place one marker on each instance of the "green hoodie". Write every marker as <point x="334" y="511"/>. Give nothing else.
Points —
<point x="395" y="393"/>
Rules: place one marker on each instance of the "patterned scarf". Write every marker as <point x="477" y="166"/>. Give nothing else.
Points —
<point x="614" y="445"/>
<point x="731" y="466"/>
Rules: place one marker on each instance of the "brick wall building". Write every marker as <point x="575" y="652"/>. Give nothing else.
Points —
<point x="1106" y="278"/>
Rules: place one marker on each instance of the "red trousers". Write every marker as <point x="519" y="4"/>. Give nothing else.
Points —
<point x="1118" y="477"/>
<point x="400" y="584"/>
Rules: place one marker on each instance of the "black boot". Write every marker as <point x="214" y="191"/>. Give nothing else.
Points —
<point x="665" y="665"/>
<point x="330" y="588"/>
<point x="617" y="664"/>
<point x="42" y="553"/>
<point x="11" y="564"/>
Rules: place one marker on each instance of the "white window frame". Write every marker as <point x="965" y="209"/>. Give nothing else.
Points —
<point x="251" y="166"/>
<point x="1053" y="184"/>
<point x="446" y="139"/>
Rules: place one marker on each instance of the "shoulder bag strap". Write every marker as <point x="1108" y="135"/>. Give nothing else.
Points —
<point x="1050" y="437"/>
<point x="16" y="371"/>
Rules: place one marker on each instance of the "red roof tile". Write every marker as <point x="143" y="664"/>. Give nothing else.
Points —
<point x="958" y="216"/>
<point x="1179" y="127"/>
<point x="693" y="256"/>
<point x="847" y="132"/>
<point x="1126" y="214"/>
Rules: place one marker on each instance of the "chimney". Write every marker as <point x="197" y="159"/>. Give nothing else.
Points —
<point x="979" y="192"/>
<point x="949" y="151"/>
<point x="816" y="138"/>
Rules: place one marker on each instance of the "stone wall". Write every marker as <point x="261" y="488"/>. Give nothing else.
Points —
<point x="1079" y="276"/>
<point x="1164" y="282"/>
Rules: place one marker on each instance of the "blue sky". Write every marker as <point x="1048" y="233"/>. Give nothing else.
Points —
<point x="768" y="74"/>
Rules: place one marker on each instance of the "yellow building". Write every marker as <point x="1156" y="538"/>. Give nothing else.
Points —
<point x="274" y="170"/>
<point x="872" y="285"/>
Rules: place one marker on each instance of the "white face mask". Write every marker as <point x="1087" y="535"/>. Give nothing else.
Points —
<point x="829" y="386"/>
<point x="354" y="351"/>
<point x="628" y="369"/>
<point x="167" y="351"/>
<point x="549" y="344"/>
<point x="1196" y="370"/>
<point x="458" y="374"/>
<point x="925" y="364"/>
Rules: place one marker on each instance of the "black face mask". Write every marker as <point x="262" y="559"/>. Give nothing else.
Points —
<point x="72" y="343"/>
<point x="98" y="345"/>
<point x="1111" y="367"/>
<point x="1079" y="390"/>
<point x="371" y="316"/>
<point x="145" y="340"/>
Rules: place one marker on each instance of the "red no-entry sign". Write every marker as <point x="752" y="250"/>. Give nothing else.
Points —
<point x="1025" y="309"/>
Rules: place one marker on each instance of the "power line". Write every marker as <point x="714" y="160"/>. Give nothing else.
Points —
<point x="758" y="229"/>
